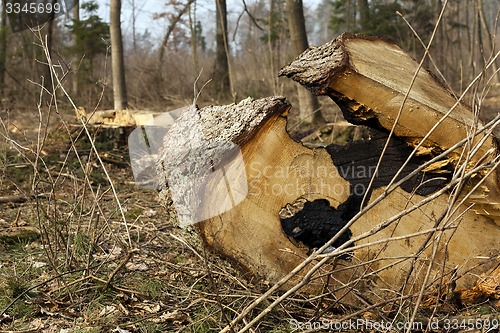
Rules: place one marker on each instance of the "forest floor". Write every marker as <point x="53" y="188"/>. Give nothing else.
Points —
<point x="74" y="260"/>
<point x="70" y="263"/>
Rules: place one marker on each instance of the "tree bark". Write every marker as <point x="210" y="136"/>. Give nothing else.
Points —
<point x="134" y="17"/>
<point x="47" y="82"/>
<point x="76" y="58"/>
<point x="267" y="202"/>
<point x="194" y="39"/>
<point x="308" y="104"/>
<point x="117" y="59"/>
<point x="221" y="78"/>
<point x="364" y="14"/>
<point x="3" y="46"/>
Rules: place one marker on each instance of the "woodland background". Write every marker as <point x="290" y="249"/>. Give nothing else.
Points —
<point x="160" y="73"/>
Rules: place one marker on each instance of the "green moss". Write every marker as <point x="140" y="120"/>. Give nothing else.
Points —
<point x="82" y="245"/>
<point x="132" y="214"/>
<point x="22" y="235"/>
<point x="151" y="327"/>
<point x="154" y="288"/>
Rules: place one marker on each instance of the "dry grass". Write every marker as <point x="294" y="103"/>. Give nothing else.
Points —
<point x="102" y="254"/>
<point x="79" y="273"/>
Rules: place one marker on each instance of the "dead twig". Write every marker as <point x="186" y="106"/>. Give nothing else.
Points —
<point x="119" y="267"/>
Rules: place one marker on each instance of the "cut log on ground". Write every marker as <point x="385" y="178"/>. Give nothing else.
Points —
<point x="116" y="127"/>
<point x="267" y="202"/>
<point x="377" y="84"/>
<point x="121" y="118"/>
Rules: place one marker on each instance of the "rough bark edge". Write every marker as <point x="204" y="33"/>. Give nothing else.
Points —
<point x="202" y="139"/>
<point x="236" y="123"/>
<point x="309" y="67"/>
<point x="332" y="57"/>
<point x="318" y="66"/>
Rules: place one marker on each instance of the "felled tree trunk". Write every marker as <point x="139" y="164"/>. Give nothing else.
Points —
<point x="374" y="83"/>
<point x="266" y="201"/>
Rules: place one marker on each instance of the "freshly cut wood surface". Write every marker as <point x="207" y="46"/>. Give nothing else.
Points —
<point x="266" y="201"/>
<point x="200" y="146"/>
<point x="282" y="174"/>
<point x="122" y="118"/>
<point x="279" y="171"/>
<point x="470" y="243"/>
<point x="369" y="79"/>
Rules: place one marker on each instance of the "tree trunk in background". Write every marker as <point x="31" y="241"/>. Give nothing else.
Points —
<point x="134" y="37"/>
<point x="364" y="14"/>
<point x="350" y="15"/>
<point x="194" y="40"/>
<point x="47" y="82"/>
<point x="117" y="62"/>
<point x="274" y="40"/>
<point x="488" y="47"/>
<point x="221" y="79"/>
<point x="3" y="46"/>
<point x="76" y="60"/>
<point x="308" y="103"/>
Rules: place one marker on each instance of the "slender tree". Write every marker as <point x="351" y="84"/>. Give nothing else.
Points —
<point x="173" y="22"/>
<point x="117" y="61"/>
<point x="194" y="36"/>
<point x="47" y="82"/>
<point x="3" y="46"/>
<point x="134" y="34"/>
<point x="221" y="78"/>
<point x="308" y="103"/>
<point x="76" y="58"/>
<point x="273" y="39"/>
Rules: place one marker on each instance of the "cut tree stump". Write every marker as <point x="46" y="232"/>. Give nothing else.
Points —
<point x="114" y="127"/>
<point x="369" y="78"/>
<point x="120" y="118"/>
<point x="266" y="202"/>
